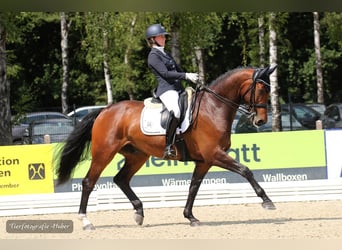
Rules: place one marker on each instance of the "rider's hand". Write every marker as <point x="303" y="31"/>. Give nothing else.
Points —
<point x="193" y="77"/>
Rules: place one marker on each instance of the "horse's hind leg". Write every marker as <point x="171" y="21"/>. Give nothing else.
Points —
<point x="99" y="161"/>
<point x="133" y="162"/>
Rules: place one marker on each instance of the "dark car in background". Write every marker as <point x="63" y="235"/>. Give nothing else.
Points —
<point x="22" y="122"/>
<point x="332" y="117"/>
<point x="305" y="115"/>
<point x="302" y="118"/>
<point x="319" y="107"/>
<point x="48" y="131"/>
<point x="244" y="125"/>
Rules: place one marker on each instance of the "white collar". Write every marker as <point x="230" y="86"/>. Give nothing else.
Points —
<point x="159" y="48"/>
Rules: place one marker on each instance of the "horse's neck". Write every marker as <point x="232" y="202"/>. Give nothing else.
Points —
<point x="217" y="108"/>
<point x="229" y="94"/>
<point x="230" y="98"/>
<point x="229" y="88"/>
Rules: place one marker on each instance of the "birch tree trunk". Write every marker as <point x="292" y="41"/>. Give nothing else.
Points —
<point x="5" y="110"/>
<point x="199" y="63"/>
<point x="276" y="120"/>
<point x="127" y="52"/>
<point x="319" y="74"/>
<point x="106" y="71"/>
<point x="261" y="29"/>
<point x="65" y="62"/>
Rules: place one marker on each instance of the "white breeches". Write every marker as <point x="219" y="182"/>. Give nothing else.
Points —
<point x="170" y="100"/>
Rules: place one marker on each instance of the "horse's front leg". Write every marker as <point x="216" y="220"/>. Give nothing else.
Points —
<point x="200" y="171"/>
<point x="267" y="202"/>
<point x="224" y="161"/>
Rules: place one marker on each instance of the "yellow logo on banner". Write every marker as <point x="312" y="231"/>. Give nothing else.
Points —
<point x="36" y="171"/>
<point x="26" y="169"/>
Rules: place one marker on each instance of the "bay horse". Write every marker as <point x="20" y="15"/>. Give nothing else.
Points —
<point x="116" y="129"/>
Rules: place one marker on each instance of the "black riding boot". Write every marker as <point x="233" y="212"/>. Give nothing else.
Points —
<point x="170" y="137"/>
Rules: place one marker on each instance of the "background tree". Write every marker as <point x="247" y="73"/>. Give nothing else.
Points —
<point x="127" y="54"/>
<point x="261" y="36"/>
<point x="106" y="70"/>
<point x="223" y="41"/>
<point x="124" y="37"/>
<point x="319" y="73"/>
<point x="65" y="61"/>
<point x="198" y="35"/>
<point x="175" y="20"/>
<point x="35" y="62"/>
<point x="276" y="122"/>
<point x="333" y="23"/>
<point x="96" y="44"/>
<point x="331" y="50"/>
<point x="5" y="111"/>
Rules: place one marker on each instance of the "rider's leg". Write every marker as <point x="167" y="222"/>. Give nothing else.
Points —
<point x="170" y="100"/>
<point x="170" y="136"/>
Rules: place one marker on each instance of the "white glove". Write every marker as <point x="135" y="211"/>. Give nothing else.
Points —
<point x="193" y="77"/>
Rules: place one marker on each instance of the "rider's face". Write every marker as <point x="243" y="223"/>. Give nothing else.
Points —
<point x="160" y="40"/>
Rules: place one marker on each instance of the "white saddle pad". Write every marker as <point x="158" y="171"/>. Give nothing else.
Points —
<point x="151" y="115"/>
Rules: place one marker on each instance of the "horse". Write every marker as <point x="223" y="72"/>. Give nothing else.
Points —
<point x="116" y="129"/>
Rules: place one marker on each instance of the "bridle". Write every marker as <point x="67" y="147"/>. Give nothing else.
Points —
<point x="247" y="109"/>
<point x="256" y="79"/>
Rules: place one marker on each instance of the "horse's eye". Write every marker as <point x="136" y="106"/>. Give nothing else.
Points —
<point x="268" y="89"/>
<point x="262" y="91"/>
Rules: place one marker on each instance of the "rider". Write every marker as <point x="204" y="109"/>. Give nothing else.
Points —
<point x="168" y="75"/>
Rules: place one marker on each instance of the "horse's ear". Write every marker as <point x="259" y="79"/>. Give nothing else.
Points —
<point x="260" y="73"/>
<point x="264" y="73"/>
<point x="270" y="70"/>
<point x="266" y="70"/>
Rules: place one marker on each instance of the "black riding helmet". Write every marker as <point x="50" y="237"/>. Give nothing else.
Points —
<point x="155" y="30"/>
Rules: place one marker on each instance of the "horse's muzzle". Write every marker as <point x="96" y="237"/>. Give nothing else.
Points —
<point x="258" y="120"/>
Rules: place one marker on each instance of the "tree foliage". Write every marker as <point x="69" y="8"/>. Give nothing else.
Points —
<point x="5" y="112"/>
<point x="228" y="40"/>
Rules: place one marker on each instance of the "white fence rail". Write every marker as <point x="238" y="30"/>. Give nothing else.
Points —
<point x="154" y="197"/>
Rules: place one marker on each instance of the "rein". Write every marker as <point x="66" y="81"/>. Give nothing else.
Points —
<point x="233" y="104"/>
<point x="258" y="73"/>
<point x="229" y="102"/>
<point x="200" y="87"/>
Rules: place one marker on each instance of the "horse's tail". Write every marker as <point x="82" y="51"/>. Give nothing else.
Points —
<point x="75" y="145"/>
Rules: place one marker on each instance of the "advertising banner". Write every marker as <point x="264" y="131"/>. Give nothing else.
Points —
<point x="333" y="143"/>
<point x="273" y="157"/>
<point x="26" y="169"/>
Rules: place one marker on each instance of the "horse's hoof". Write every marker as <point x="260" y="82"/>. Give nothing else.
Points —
<point x="89" y="227"/>
<point x="139" y="219"/>
<point x="195" y="223"/>
<point x="268" y="205"/>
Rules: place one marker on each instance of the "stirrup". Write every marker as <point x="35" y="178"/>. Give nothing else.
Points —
<point x="169" y="153"/>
